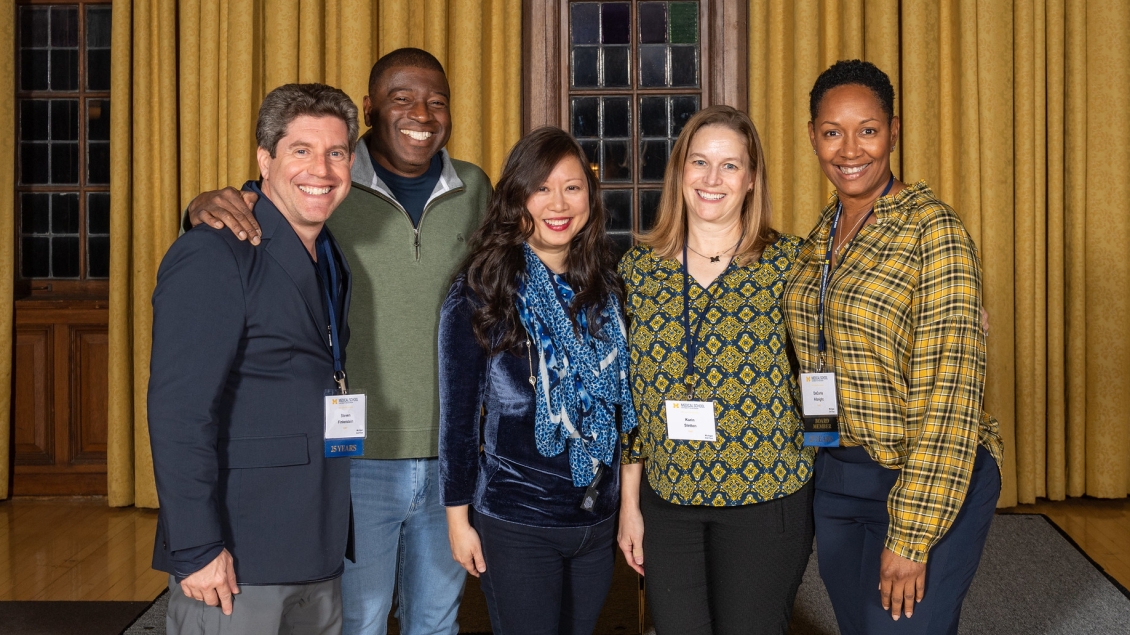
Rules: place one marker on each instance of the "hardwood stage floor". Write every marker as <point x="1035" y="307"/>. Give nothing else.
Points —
<point x="80" y="549"/>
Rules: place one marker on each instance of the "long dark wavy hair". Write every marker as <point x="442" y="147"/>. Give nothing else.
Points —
<point x="496" y="256"/>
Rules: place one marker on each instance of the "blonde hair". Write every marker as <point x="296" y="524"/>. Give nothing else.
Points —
<point x="666" y="238"/>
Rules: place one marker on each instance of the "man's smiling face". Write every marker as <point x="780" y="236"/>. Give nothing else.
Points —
<point x="408" y="110"/>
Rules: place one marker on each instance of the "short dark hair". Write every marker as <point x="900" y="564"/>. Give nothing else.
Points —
<point x="857" y="72"/>
<point x="290" y="101"/>
<point x="411" y="57"/>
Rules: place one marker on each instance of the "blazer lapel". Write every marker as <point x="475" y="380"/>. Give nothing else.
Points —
<point x="287" y="249"/>
<point x="346" y="286"/>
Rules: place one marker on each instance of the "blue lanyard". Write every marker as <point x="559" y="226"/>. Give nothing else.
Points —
<point x="826" y="274"/>
<point x="328" y="272"/>
<point x="691" y="341"/>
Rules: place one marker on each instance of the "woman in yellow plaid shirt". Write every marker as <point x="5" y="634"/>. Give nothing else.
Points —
<point x="884" y="315"/>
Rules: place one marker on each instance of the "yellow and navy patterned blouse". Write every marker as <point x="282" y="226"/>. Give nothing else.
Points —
<point x="741" y="364"/>
<point x="902" y="316"/>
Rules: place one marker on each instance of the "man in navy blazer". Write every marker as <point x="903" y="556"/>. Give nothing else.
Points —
<point x="242" y="359"/>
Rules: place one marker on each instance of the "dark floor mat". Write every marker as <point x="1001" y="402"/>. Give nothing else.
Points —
<point x="68" y="618"/>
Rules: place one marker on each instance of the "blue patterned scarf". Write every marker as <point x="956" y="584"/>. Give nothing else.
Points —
<point x="579" y="379"/>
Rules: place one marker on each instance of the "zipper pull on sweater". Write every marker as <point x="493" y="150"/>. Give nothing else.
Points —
<point x="416" y="231"/>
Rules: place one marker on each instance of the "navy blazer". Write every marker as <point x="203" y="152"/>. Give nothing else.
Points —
<point x="240" y="363"/>
<point x="492" y="463"/>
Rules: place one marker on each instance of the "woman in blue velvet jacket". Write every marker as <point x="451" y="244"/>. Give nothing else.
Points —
<point x="534" y="395"/>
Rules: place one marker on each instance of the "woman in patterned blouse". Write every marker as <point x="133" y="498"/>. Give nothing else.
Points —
<point x="725" y="515"/>
<point x="903" y="504"/>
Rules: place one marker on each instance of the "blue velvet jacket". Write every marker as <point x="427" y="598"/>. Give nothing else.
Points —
<point x="490" y="460"/>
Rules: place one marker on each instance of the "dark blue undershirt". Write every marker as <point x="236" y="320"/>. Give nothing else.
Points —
<point x="412" y="192"/>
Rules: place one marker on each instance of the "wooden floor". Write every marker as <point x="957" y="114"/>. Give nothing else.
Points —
<point x="80" y="549"/>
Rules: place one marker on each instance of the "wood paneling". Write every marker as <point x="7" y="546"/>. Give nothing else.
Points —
<point x="33" y="431"/>
<point x="60" y="394"/>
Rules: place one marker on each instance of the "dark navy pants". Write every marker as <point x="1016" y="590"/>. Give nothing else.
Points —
<point x="545" y="580"/>
<point x="850" y="510"/>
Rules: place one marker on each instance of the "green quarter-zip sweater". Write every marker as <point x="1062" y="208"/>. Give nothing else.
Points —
<point x="401" y="275"/>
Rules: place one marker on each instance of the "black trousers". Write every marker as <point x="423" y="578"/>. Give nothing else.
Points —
<point x="542" y="580"/>
<point x="725" y="570"/>
<point x="851" y="532"/>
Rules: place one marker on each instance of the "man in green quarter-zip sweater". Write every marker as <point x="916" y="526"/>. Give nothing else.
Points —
<point x="403" y="228"/>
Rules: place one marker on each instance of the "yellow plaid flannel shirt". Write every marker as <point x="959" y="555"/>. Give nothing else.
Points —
<point x="903" y="326"/>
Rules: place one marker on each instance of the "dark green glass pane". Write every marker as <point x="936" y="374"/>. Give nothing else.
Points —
<point x="586" y="117"/>
<point x="653" y="22"/>
<point x="617" y="161"/>
<point x="618" y="209"/>
<point x="35" y="27"/>
<point x="653" y="65"/>
<point x="64" y="257"/>
<point x="64" y="120"/>
<point x="98" y="27"/>
<point x="64" y="163"/>
<point x="653" y="117"/>
<point x="33" y="70"/>
<point x="98" y="69"/>
<point x="653" y="160"/>
<point x="64" y="70"/>
<point x="684" y="66"/>
<point x="592" y="154"/>
<point x="98" y="257"/>
<point x="98" y="119"/>
<point x="35" y="164"/>
<point x="684" y="23"/>
<point x="98" y="163"/>
<point x="621" y="243"/>
<point x="615" y="23"/>
<point x="34" y="120"/>
<point x="585" y="67"/>
<point x="64" y="26"/>
<point x="35" y="257"/>
<point x="649" y="206"/>
<point x="585" y="22"/>
<point x="64" y="213"/>
<point x="682" y="108"/>
<point x="617" y="119"/>
<point x="35" y="213"/>
<point x="616" y="67"/>
<point x="98" y="213"/>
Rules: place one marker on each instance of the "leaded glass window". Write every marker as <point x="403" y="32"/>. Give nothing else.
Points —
<point x="635" y="77"/>
<point x="63" y="141"/>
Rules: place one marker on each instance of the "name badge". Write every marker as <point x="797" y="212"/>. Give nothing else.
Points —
<point x="690" y="420"/>
<point x="821" y="412"/>
<point x="345" y="424"/>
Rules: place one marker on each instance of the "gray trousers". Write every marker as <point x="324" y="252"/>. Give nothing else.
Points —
<point x="298" y="609"/>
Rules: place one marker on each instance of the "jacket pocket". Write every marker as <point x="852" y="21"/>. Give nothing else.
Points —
<point x="257" y="452"/>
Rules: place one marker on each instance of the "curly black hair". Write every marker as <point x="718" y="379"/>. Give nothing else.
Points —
<point x="853" y="72"/>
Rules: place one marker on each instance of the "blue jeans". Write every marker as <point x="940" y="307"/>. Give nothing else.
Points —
<point x="400" y="530"/>
<point x="851" y="529"/>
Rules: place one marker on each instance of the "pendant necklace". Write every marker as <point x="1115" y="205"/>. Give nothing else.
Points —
<point x="719" y="256"/>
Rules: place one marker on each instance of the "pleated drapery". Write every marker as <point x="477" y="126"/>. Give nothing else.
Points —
<point x="7" y="234"/>
<point x="1015" y="114"/>
<point x="184" y="125"/>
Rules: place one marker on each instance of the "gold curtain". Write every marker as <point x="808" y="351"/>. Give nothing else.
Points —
<point x="1015" y="114"/>
<point x="7" y="232"/>
<point x="185" y="125"/>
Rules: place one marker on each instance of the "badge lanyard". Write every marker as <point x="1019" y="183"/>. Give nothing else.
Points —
<point x="826" y="275"/>
<point x="329" y="284"/>
<point x="818" y="389"/>
<point x="689" y="339"/>
<point x="344" y="410"/>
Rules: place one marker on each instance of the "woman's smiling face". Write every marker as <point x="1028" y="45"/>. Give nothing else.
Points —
<point x="853" y="138"/>
<point x="717" y="174"/>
